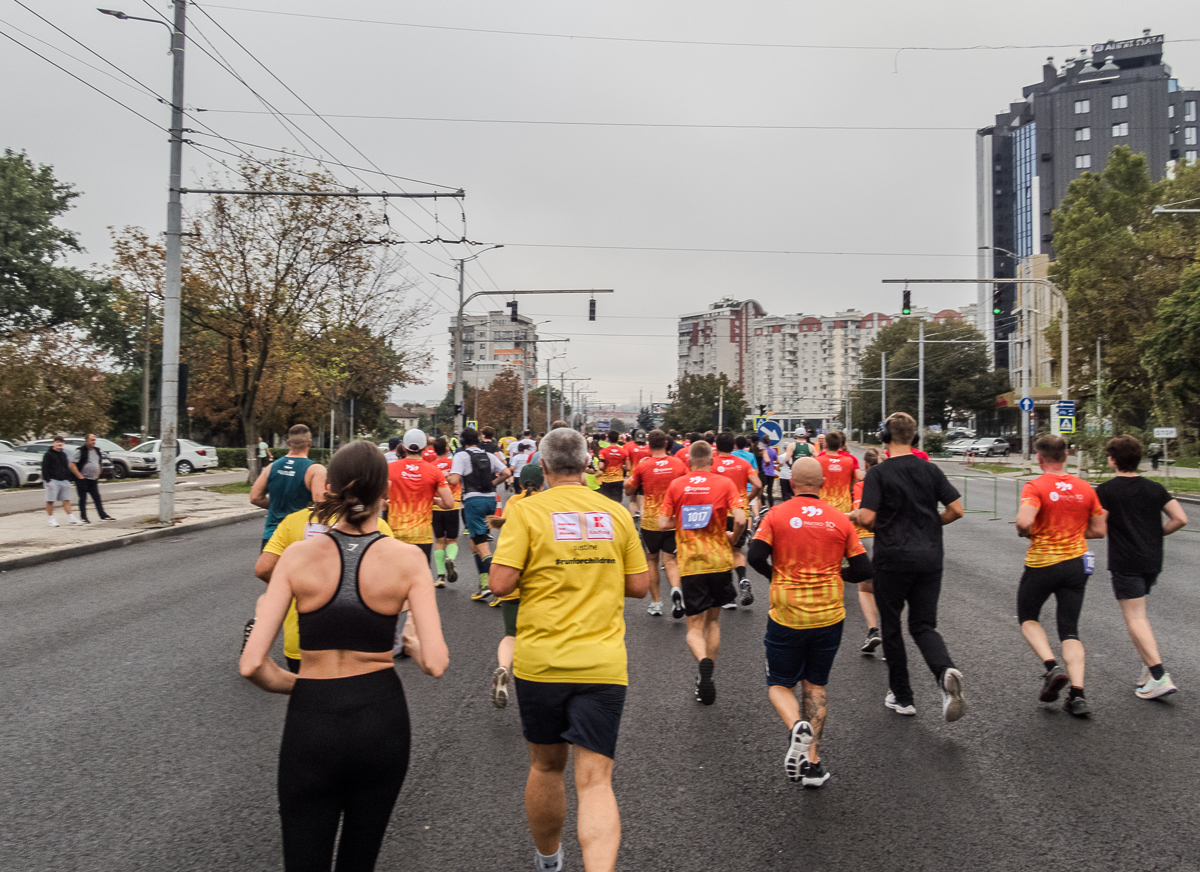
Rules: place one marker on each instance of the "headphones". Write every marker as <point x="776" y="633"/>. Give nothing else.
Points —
<point x="885" y="434"/>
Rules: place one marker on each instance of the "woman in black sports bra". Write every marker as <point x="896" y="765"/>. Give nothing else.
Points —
<point x="346" y="740"/>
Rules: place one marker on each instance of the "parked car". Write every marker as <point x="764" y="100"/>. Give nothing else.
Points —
<point x="960" y="433"/>
<point x="72" y="443"/>
<point x="18" y="468"/>
<point x="959" y="446"/>
<point x="992" y="445"/>
<point x="190" y="455"/>
<point x="5" y="445"/>
<point x="124" y="463"/>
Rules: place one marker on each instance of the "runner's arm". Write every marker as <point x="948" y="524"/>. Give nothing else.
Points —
<point x="444" y="498"/>
<point x="258" y="491"/>
<point x="865" y="518"/>
<point x="256" y="664"/>
<point x="454" y="479"/>
<point x="858" y="569"/>
<point x="952" y="512"/>
<point x="759" y="557"/>
<point x="636" y="585"/>
<point x="739" y="524"/>
<point x="756" y="484"/>
<point x="631" y="484"/>
<point x="1097" y="527"/>
<point x="503" y="580"/>
<point x="1026" y="515"/>
<point x="433" y="656"/>
<point x="314" y="480"/>
<point x="1176" y="517"/>
<point x="265" y="566"/>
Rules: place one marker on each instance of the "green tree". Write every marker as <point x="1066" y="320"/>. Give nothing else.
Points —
<point x="1172" y="351"/>
<point x="645" y="420"/>
<point x="51" y="380"/>
<point x="694" y="402"/>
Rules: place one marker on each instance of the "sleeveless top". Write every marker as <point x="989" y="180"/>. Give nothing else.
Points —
<point x="285" y="485"/>
<point x="346" y="622"/>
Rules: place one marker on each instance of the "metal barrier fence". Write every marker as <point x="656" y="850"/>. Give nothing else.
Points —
<point x="981" y="494"/>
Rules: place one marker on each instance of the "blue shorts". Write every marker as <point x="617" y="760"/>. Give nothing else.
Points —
<point x="587" y="715"/>
<point x="476" y="511"/>
<point x="801" y="655"/>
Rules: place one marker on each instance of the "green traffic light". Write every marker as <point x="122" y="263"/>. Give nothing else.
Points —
<point x="995" y="311"/>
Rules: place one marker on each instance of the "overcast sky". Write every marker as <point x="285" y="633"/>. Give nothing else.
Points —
<point x="574" y="202"/>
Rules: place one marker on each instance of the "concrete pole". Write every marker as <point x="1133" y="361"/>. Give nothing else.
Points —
<point x="883" y="385"/>
<point x="524" y="387"/>
<point x="921" y="384"/>
<point x="458" y="362"/>
<point x="547" y="395"/>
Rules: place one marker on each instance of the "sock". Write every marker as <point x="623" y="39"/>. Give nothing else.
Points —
<point x="483" y="577"/>
<point x="452" y="551"/>
<point x="741" y="572"/>
<point x="1076" y="693"/>
<point x="478" y="564"/>
<point x="485" y="565"/>
<point x="548" y="862"/>
<point x="439" y="561"/>
<point x="1050" y="664"/>
<point x="1157" y="672"/>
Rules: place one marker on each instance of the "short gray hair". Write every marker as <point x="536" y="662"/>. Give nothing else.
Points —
<point x="564" y="452"/>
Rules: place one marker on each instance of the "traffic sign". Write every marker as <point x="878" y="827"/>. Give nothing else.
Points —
<point x="1066" y="424"/>
<point x="473" y="425"/>
<point x="770" y="432"/>
<point x="602" y="425"/>
<point x="1026" y="404"/>
<point x="759" y="420"/>
<point x="1166" y="433"/>
<point x="1066" y="408"/>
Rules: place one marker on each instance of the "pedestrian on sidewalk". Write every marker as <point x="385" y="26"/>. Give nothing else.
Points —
<point x="264" y="453"/>
<point x="56" y="482"/>
<point x="85" y="469"/>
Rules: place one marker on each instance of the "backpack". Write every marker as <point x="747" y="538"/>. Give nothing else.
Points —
<point x="479" y="480"/>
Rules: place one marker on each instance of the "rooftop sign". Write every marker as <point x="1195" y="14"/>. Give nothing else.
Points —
<point x="1140" y="42"/>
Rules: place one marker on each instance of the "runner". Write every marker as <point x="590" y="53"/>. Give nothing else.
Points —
<point x="612" y="462"/>
<point x="575" y="558"/>
<point x="429" y="455"/>
<point x="785" y="470"/>
<point x="748" y="484"/>
<point x="1058" y="513"/>
<point x="288" y="484"/>
<point x="768" y="460"/>
<point x="1135" y="507"/>
<point x="652" y="476"/>
<point x="507" y="440"/>
<point x="414" y="488"/>
<point x="636" y="450"/>
<point x="696" y="507"/>
<point x="479" y="473"/>
<point x="531" y="481"/>
<point x="345" y="747"/>
<point x="841" y="471"/>
<point x="445" y="521"/>
<point x="900" y="504"/>
<point x="799" y="546"/>
<point x="866" y="589"/>
<point x="390" y="455"/>
<point x="488" y="443"/>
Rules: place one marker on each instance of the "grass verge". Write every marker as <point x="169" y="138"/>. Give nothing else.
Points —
<point x="236" y="487"/>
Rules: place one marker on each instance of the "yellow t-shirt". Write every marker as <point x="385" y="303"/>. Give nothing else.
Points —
<point x="511" y="504"/>
<point x="294" y="528"/>
<point x="574" y="548"/>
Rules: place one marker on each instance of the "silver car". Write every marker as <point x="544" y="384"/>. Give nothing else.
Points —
<point x="992" y="445"/>
<point x="19" y="468"/>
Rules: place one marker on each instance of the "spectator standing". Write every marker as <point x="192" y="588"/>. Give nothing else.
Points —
<point x="85" y="468"/>
<point x="264" y="453"/>
<point x="56" y="482"/>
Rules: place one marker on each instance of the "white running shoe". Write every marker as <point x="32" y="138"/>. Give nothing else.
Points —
<point x="1145" y="676"/>
<point x="731" y="606"/>
<point x="51" y="521"/>
<point x="73" y="521"/>
<point x="500" y="687"/>
<point x="1157" y="687"/>
<point x="890" y="702"/>
<point x="799" y="738"/>
<point x="953" y="704"/>
<point x="654" y="609"/>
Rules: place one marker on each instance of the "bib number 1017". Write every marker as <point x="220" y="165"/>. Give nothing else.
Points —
<point x="696" y="517"/>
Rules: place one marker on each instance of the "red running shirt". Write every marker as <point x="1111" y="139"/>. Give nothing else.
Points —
<point x="612" y="463"/>
<point x="412" y="484"/>
<point x="837" y="489"/>
<point x="737" y="471"/>
<point x="1065" y="504"/>
<point x="654" y="475"/>
<point x="700" y="502"/>
<point x="443" y="464"/>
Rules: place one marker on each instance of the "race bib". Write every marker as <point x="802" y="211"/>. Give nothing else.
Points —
<point x="566" y="526"/>
<point x="312" y="529"/>
<point x="696" y="517"/>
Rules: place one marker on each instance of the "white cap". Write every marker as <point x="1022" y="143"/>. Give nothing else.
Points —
<point x="414" y="440"/>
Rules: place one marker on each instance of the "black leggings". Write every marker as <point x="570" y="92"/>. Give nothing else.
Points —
<point x="785" y="489"/>
<point x="343" y="758"/>
<point x="1066" y="581"/>
<point x="768" y="491"/>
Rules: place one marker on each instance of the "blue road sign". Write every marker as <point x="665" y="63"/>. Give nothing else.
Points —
<point x="770" y="432"/>
<point x="1026" y="404"/>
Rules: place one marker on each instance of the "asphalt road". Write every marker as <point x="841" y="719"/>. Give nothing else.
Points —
<point x="128" y="741"/>
<point x="28" y="499"/>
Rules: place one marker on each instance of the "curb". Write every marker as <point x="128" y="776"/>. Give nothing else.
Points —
<point x="113" y="544"/>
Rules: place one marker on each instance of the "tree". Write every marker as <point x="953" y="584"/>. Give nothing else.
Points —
<point x="645" y="420"/>
<point x="694" y="401"/>
<point x="51" y="380"/>
<point x="1172" y="350"/>
<point x="500" y="403"/>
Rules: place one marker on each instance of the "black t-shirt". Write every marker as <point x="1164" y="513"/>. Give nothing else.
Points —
<point x="904" y="492"/>
<point x="1135" y="531"/>
<point x="491" y="447"/>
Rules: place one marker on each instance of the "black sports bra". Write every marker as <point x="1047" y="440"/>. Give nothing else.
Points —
<point x="346" y="622"/>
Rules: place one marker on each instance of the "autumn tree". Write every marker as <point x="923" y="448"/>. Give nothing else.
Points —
<point x="51" y="380"/>
<point x="500" y="403"/>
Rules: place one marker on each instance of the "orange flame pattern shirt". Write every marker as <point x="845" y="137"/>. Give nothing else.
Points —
<point x="837" y="489"/>
<point x="1065" y="504"/>
<point x="808" y="539"/>
<point x="443" y="464"/>
<point x="612" y="463"/>
<point x="412" y="484"/>
<point x="737" y="471"/>
<point x="701" y="549"/>
<point x="863" y="532"/>
<point x="654" y="475"/>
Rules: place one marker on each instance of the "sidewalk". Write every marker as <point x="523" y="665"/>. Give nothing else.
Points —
<point x="26" y="539"/>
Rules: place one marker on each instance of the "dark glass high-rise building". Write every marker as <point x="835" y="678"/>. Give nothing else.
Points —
<point x="1117" y="93"/>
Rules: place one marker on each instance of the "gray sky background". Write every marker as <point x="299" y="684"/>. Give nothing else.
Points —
<point x="906" y="196"/>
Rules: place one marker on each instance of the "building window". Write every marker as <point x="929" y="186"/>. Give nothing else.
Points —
<point x="1171" y="111"/>
<point x="1083" y="161"/>
<point x="1189" y="136"/>
<point x="1189" y="110"/>
<point x="1121" y="129"/>
<point x="1082" y="107"/>
<point x="1083" y="134"/>
<point x="1120" y="101"/>
<point x="1190" y="156"/>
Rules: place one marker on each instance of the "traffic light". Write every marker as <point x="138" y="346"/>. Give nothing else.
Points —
<point x="592" y="310"/>
<point x="906" y="309"/>
<point x="997" y="302"/>
<point x="512" y="316"/>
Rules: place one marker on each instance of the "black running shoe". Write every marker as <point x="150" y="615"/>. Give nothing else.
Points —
<point x="1077" y="706"/>
<point x="706" y="691"/>
<point x="813" y="774"/>
<point x="800" y="736"/>
<point x="246" y="634"/>
<point x="747" y="592"/>
<point x="874" y="640"/>
<point x="451" y="571"/>
<point x="1053" y="683"/>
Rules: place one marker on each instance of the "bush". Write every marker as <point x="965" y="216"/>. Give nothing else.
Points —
<point x="935" y="441"/>
<point x="231" y="458"/>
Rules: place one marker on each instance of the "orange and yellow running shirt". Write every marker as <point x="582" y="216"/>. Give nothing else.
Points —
<point x="611" y="463"/>
<point x="863" y="532"/>
<point x="443" y="464"/>
<point x="636" y="453"/>
<point x="412" y="484"/>
<point x="837" y="489"/>
<point x="808" y="539"/>
<point x="654" y="475"/>
<point x="1064" y="504"/>
<point x="737" y="471"/>
<point x="429" y="455"/>
<point x="700" y="502"/>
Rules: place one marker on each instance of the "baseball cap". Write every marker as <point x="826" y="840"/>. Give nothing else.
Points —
<point x="393" y="442"/>
<point x="531" y="475"/>
<point x="414" y="440"/>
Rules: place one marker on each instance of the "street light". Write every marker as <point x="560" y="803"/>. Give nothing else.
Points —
<point x="458" y="362"/>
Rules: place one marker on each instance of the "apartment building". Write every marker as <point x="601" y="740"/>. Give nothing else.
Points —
<point x="493" y="342"/>
<point x="717" y="339"/>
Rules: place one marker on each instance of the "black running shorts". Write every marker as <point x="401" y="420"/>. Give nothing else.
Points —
<point x="658" y="541"/>
<point x="614" y="490"/>
<point x="742" y="539"/>
<point x="709" y="591"/>
<point x="1066" y="582"/>
<point x="587" y="715"/>
<point x="1130" y="586"/>
<point x="445" y="525"/>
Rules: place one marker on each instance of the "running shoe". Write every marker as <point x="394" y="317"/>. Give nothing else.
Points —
<point x="730" y="605"/>
<point x="800" y="736"/>
<point x="1077" y="706"/>
<point x="500" y="687"/>
<point x="813" y="774"/>
<point x="676" y="602"/>
<point x="747" y="592"/>
<point x="1053" y="684"/>
<point x="481" y="594"/>
<point x="654" y="609"/>
<point x="495" y="602"/>
<point x="1157" y="687"/>
<point x="1144" y="677"/>
<point x="246" y="633"/>
<point x="891" y="702"/>
<point x="706" y="691"/>
<point x="874" y="640"/>
<point x="52" y="522"/>
<point x="451" y="571"/>
<point x="73" y="521"/>
<point x="953" y="704"/>
<point x="440" y="581"/>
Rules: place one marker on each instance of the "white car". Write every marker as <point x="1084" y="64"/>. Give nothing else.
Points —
<point x="190" y="456"/>
<point x="19" y="468"/>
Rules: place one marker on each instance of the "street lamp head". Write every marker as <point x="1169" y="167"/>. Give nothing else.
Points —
<point x="114" y="13"/>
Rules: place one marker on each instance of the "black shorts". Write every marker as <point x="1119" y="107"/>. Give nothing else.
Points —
<point x="801" y="655"/>
<point x="508" y="611"/>
<point x="709" y="591"/>
<point x="658" y="541"/>
<point x="427" y="547"/>
<point x="587" y="715"/>
<point x="1131" y="586"/>
<point x="1066" y="581"/>
<point x="614" y="490"/>
<point x="742" y="539"/>
<point x="445" y="524"/>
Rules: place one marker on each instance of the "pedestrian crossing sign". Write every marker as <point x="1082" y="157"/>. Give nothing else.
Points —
<point x="473" y="425"/>
<point x="1066" y="423"/>
<point x="759" y="420"/>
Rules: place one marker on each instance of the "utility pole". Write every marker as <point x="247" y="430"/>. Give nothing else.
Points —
<point x="921" y="384"/>
<point x="1099" y="417"/>
<point x="146" y="374"/>
<point x="721" y="409"/>
<point x="883" y="384"/>
<point x="548" y="403"/>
